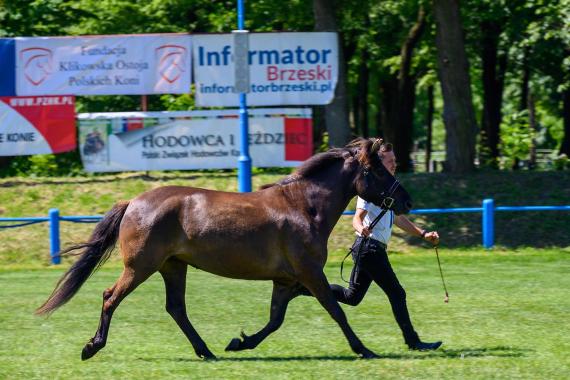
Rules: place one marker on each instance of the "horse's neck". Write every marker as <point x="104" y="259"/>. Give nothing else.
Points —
<point x="328" y="197"/>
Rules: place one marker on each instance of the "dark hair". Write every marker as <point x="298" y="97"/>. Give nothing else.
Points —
<point x="385" y="147"/>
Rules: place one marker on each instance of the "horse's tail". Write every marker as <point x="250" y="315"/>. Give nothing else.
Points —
<point x="93" y="254"/>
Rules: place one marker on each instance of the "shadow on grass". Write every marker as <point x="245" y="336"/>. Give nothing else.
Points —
<point x="256" y="358"/>
<point x="461" y="353"/>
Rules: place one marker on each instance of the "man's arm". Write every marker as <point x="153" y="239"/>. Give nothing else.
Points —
<point x="407" y="225"/>
<point x="358" y="222"/>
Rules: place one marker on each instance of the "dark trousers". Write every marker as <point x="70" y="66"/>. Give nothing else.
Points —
<point x="373" y="265"/>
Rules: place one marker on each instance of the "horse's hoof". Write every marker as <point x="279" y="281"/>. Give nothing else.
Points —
<point x="88" y="351"/>
<point x="367" y="354"/>
<point x="206" y="355"/>
<point x="421" y="346"/>
<point x="234" y="345"/>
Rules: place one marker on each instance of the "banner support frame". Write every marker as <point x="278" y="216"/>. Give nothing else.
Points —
<point x="244" y="161"/>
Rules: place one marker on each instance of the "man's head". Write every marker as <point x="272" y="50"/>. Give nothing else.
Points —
<point x="388" y="157"/>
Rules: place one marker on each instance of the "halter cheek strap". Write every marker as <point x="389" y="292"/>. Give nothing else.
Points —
<point x="388" y="201"/>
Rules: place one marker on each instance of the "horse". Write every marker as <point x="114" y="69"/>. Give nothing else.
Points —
<point x="277" y="233"/>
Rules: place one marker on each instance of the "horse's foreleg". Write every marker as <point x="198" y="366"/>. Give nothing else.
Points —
<point x="280" y="298"/>
<point x="174" y="274"/>
<point x="112" y="297"/>
<point x="317" y="283"/>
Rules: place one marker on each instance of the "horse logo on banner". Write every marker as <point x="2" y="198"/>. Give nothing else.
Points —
<point x="171" y="62"/>
<point x="38" y="64"/>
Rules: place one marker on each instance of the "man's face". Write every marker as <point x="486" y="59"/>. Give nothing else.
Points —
<point x="389" y="161"/>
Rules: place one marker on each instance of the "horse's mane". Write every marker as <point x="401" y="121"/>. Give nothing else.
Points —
<point x="358" y="147"/>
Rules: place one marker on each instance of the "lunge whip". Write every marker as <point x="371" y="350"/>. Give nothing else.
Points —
<point x="446" y="298"/>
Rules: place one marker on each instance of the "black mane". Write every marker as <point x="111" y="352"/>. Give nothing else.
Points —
<point x="319" y="161"/>
<point x="358" y="147"/>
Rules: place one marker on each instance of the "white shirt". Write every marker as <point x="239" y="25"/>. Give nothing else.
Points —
<point x="383" y="229"/>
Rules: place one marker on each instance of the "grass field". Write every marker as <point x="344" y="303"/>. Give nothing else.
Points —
<point x="507" y="317"/>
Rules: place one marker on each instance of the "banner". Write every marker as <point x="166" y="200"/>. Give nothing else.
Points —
<point x="285" y="69"/>
<point x="37" y="125"/>
<point x="192" y="140"/>
<point x="103" y="65"/>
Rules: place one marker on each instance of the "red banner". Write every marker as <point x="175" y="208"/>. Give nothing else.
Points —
<point x="37" y="125"/>
<point x="298" y="139"/>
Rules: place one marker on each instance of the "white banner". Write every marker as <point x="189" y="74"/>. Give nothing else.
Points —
<point x="37" y="125"/>
<point x="192" y="140"/>
<point x="285" y="69"/>
<point x="103" y="65"/>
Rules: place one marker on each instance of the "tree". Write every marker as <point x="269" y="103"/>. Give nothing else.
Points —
<point x="453" y="73"/>
<point x="400" y="106"/>
<point x="336" y="113"/>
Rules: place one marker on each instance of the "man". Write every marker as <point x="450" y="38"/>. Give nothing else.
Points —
<point x="373" y="264"/>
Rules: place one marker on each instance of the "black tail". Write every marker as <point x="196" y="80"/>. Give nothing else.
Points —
<point x="94" y="253"/>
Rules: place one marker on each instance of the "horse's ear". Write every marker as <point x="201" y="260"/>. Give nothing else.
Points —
<point x="375" y="148"/>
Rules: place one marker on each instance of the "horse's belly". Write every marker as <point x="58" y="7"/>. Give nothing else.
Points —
<point x="236" y="265"/>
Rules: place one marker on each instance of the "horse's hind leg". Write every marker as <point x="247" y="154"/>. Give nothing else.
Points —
<point x="174" y="274"/>
<point x="280" y="298"/>
<point x="112" y="297"/>
<point x="315" y="280"/>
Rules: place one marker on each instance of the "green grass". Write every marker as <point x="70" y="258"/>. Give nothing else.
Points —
<point x="507" y="318"/>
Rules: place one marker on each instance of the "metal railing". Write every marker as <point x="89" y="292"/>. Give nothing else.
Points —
<point x="487" y="211"/>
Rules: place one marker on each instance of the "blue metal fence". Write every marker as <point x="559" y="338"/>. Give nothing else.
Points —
<point x="487" y="211"/>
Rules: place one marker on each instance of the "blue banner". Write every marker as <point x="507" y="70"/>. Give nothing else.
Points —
<point x="7" y="67"/>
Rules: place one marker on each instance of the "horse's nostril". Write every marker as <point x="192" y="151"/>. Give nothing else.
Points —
<point x="408" y="205"/>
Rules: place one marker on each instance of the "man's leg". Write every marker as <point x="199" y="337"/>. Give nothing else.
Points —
<point x="379" y="269"/>
<point x="357" y="287"/>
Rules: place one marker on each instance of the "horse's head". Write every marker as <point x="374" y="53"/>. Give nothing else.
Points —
<point x="374" y="183"/>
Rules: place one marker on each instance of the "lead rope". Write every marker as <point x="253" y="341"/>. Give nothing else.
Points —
<point x="362" y="242"/>
<point x="446" y="298"/>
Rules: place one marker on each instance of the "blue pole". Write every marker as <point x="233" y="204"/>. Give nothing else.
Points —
<point x="54" y="236"/>
<point x="488" y="223"/>
<point x="244" y="161"/>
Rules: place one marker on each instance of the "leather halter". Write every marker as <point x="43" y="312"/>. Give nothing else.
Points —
<point x="387" y="196"/>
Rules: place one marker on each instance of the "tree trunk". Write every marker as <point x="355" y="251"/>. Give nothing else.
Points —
<point x="494" y="68"/>
<point x="5" y="161"/>
<point x="532" y="125"/>
<point x="565" y="147"/>
<point x="453" y="73"/>
<point x="524" y="94"/>
<point x="336" y="113"/>
<point x="389" y="115"/>
<point x="362" y="95"/>
<point x="429" y="123"/>
<point x="399" y="124"/>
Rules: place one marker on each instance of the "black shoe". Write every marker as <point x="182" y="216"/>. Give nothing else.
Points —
<point x="422" y="346"/>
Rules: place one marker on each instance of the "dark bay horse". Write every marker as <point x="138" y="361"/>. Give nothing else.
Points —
<point x="279" y="233"/>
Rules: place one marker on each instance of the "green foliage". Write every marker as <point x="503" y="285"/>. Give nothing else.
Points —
<point x="561" y="162"/>
<point x="516" y="138"/>
<point x="324" y="146"/>
<point x="183" y="102"/>
<point x="533" y="32"/>
<point x="44" y="165"/>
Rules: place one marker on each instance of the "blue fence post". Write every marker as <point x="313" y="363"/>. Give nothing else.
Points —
<point x="488" y="223"/>
<point x="54" y="236"/>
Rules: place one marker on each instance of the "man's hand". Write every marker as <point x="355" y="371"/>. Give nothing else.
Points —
<point x="432" y="237"/>
<point x="365" y="232"/>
